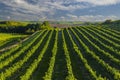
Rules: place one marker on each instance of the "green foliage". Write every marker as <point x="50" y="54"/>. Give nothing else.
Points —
<point x="23" y="27"/>
<point x="69" y="67"/>
<point x="48" y="75"/>
<point x="7" y="39"/>
<point x="46" y="25"/>
<point x="35" y="63"/>
<point x="108" y="21"/>
<point x="87" y="44"/>
<point x="112" y="24"/>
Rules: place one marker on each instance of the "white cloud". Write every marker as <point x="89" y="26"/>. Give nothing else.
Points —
<point x="23" y="4"/>
<point x="8" y="17"/>
<point x="96" y="17"/>
<point x="49" y="8"/>
<point x="72" y="17"/>
<point x="91" y="18"/>
<point x="100" y="2"/>
<point x="61" y="6"/>
<point x="52" y="5"/>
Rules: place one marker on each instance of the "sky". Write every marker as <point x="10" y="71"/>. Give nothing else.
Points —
<point x="60" y="10"/>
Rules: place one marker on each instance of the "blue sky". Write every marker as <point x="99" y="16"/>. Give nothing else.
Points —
<point x="68" y="10"/>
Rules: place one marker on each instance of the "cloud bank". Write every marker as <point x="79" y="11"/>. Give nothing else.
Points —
<point x="90" y="18"/>
<point x="48" y="9"/>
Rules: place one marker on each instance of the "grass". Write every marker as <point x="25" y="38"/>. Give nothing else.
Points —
<point x="9" y="38"/>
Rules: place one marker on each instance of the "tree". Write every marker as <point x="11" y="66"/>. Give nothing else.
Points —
<point x="107" y="21"/>
<point x="45" y="25"/>
<point x="38" y="26"/>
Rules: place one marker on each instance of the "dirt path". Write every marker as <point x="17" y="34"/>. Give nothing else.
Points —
<point x="13" y="45"/>
<point x="9" y="47"/>
<point x="17" y="43"/>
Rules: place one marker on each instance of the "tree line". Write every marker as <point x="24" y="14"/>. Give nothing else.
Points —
<point x="22" y="27"/>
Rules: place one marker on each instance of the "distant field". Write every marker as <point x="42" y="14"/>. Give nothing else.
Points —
<point x="7" y="38"/>
<point x="80" y="53"/>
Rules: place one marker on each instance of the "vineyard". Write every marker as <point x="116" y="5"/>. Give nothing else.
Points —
<point x="7" y="39"/>
<point x="80" y="53"/>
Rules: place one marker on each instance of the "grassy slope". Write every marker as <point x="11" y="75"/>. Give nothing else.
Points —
<point x="9" y="39"/>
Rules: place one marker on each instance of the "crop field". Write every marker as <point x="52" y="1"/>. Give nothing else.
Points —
<point x="79" y="53"/>
<point x="9" y="38"/>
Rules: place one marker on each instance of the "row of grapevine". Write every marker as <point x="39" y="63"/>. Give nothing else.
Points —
<point x="99" y="49"/>
<point x="8" y="53"/>
<point x="60" y="70"/>
<point x="76" y="48"/>
<point x="104" y="40"/>
<point x="69" y="67"/>
<point x="110" y="33"/>
<point x="112" y="43"/>
<point x="103" y="45"/>
<point x="80" y="53"/>
<point x="112" y="30"/>
<point x="11" y="58"/>
<point x="116" y="40"/>
<point x="113" y="71"/>
<point x="8" y="72"/>
<point x="48" y="74"/>
<point x="35" y="63"/>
